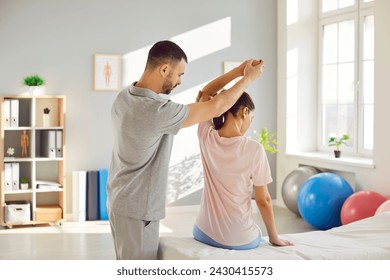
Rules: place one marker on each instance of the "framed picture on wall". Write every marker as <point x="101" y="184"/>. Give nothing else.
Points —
<point x="227" y="66"/>
<point x="107" y="71"/>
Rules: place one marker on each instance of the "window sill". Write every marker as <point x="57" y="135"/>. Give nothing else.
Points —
<point x="329" y="158"/>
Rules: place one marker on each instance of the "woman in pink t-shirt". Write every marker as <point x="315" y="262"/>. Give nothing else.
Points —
<point x="232" y="165"/>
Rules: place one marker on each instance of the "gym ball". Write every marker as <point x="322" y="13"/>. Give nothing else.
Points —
<point x="293" y="183"/>
<point x="384" y="207"/>
<point x="321" y="198"/>
<point x="360" y="205"/>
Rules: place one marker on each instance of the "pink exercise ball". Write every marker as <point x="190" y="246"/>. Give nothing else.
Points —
<point x="360" y="205"/>
<point x="385" y="206"/>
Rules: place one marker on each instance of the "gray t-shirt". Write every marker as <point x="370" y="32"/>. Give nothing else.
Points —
<point x="144" y="124"/>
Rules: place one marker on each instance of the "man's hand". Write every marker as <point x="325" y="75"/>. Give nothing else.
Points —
<point x="253" y="69"/>
<point x="203" y="98"/>
<point x="256" y="62"/>
<point x="240" y="69"/>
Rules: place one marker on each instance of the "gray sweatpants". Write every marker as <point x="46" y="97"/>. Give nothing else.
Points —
<point x="134" y="239"/>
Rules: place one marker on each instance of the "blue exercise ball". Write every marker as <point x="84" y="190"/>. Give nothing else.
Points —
<point x="321" y="198"/>
<point x="293" y="183"/>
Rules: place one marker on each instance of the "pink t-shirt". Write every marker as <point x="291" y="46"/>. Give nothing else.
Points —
<point x="231" y="166"/>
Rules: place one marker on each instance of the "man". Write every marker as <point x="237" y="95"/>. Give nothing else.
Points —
<point x="144" y="124"/>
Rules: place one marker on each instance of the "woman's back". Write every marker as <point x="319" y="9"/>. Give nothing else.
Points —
<point x="231" y="167"/>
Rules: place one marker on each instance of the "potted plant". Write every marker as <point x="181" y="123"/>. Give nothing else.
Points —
<point x="268" y="141"/>
<point x="46" y="117"/>
<point x="33" y="82"/>
<point x="23" y="183"/>
<point x="337" y="141"/>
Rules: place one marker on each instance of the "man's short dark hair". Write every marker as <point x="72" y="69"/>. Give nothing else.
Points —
<point x="165" y="52"/>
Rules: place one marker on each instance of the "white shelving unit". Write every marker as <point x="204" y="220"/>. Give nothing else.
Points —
<point x="47" y="170"/>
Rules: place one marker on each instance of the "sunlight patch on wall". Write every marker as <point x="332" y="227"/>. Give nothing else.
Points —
<point x="186" y="141"/>
<point x="134" y="65"/>
<point x="196" y="43"/>
<point x="205" y="40"/>
<point x="185" y="167"/>
<point x="292" y="100"/>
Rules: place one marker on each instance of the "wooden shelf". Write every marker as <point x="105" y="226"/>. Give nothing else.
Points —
<point x="34" y="167"/>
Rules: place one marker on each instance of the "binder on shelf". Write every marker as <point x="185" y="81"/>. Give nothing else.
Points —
<point x="7" y="177"/>
<point x="59" y="143"/>
<point x="92" y="196"/>
<point x="103" y="177"/>
<point x="14" y="113"/>
<point x="15" y="176"/>
<point x="48" y="185"/>
<point x="48" y="143"/>
<point x="79" y="195"/>
<point x="7" y="113"/>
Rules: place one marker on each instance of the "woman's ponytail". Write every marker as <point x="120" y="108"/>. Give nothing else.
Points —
<point x="244" y="101"/>
<point x="219" y="121"/>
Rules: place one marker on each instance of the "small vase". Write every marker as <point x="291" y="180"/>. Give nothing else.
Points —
<point x="36" y="90"/>
<point x="46" y="120"/>
<point x="337" y="153"/>
<point x="33" y="90"/>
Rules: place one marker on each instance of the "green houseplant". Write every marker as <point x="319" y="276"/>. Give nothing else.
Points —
<point x="33" y="82"/>
<point x="23" y="183"/>
<point x="336" y="142"/>
<point x="268" y="140"/>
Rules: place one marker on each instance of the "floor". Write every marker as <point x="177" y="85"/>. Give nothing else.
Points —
<point x="92" y="240"/>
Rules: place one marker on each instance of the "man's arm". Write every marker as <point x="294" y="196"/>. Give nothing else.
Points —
<point x="213" y="87"/>
<point x="203" y="111"/>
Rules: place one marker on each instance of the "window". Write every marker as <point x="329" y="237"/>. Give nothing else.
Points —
<point x="346" y="74"/>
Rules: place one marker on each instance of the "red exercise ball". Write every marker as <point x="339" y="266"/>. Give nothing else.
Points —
<point x="384" y="207"/>
<point x="360" y="205"/>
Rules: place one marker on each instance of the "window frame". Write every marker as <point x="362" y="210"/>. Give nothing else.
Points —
<point x="357" y="12"/>
<point x="369" y="11"/>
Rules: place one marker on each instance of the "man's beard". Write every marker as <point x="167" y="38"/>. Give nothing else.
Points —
<point x="167" y="88"/>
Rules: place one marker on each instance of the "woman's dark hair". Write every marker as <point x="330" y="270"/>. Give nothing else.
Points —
<point x="165" y="52"/>
<point x="244" y="101"/>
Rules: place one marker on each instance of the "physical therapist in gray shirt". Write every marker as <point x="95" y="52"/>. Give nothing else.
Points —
<point x="144" y="124"/>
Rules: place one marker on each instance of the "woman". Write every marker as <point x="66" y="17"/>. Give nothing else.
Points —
<point x="232" y="165"/>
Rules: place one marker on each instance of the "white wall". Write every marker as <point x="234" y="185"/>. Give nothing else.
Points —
<point x="57" y="40"/>
<point x="368" y="175"/>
